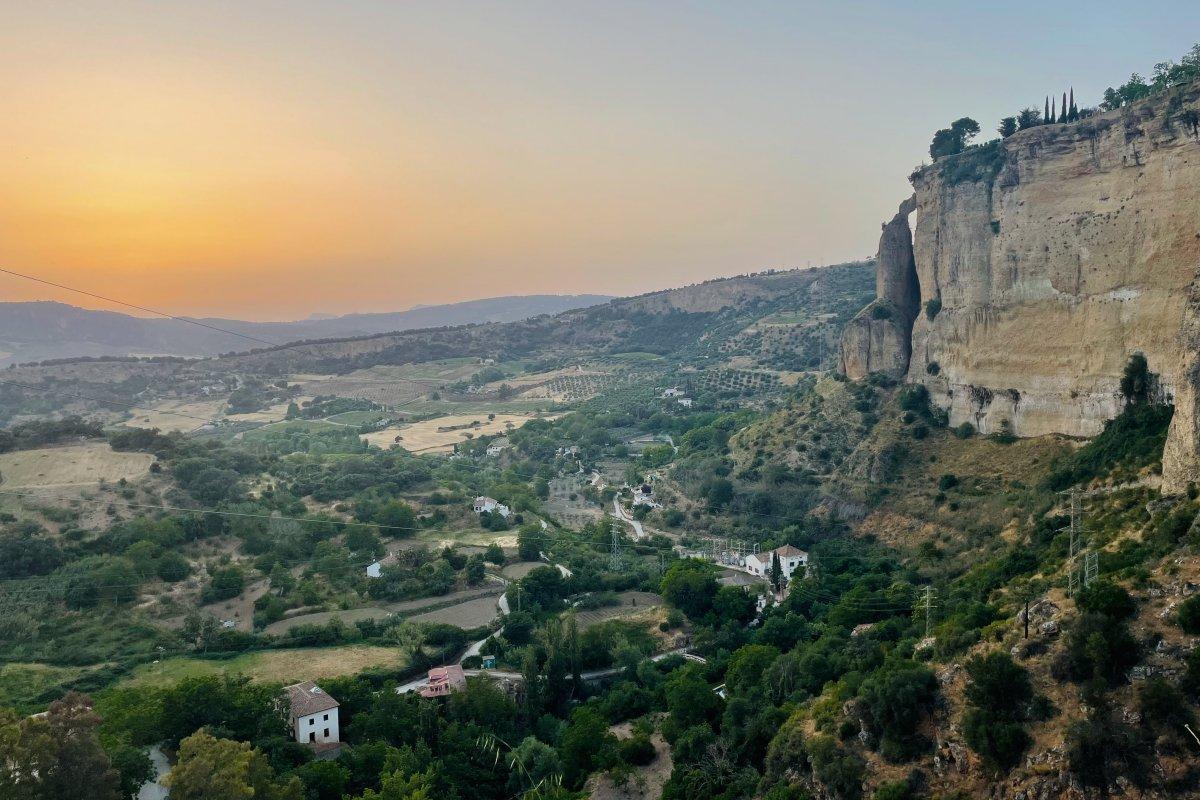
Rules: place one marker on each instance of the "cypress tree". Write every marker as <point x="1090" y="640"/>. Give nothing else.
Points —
<point x="1074" y="115"/>
<point x="1062" y="116"/>
<point x="1046" y="120"/>
<point x="1053" y="115"/>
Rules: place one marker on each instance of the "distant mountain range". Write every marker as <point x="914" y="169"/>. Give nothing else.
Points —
<point x="39" y="331"/>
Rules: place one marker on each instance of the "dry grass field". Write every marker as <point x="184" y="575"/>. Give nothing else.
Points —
<point x="74" y="465"/>
<point x="425" y="436"/>
<point x="176" y="415"/>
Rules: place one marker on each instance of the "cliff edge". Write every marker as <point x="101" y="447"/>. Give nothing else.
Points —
<point x="1043" y="261"/>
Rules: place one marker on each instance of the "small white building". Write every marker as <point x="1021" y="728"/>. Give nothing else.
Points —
<point x="312" y="714"/>
<point x="686" y="402"/>
<point x="790" y="559"/>
<point x="491" y="506"/>
<point x="674" y="391"/>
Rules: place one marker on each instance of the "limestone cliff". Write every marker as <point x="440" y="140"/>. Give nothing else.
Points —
<point x="1045" y="260"/>
<point x="878" y="339"/>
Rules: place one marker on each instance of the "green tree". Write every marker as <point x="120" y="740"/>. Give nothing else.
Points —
<point x="1028" y="118"/>
<point x="690" y="585"/>
<point x="494" y="554"/>
<point x="529" y="542"/>
<point x="221" y="769"/>
<point x="953" y="140"/>
<point x="56" y="757"/>
<point x="998" y="697"/>
<point x="1008" y="126"/>
<point x="1135" y="380"/>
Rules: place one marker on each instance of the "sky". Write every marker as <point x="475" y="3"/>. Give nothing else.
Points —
<point x="270" y="160"/>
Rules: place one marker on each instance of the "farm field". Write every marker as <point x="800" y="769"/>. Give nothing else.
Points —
<point x="170" y="417"/>
<point x="274" y="413"/>
<point x="469" y="538"/>
<point x="630" y="603"/>
<point x="408" y="608"/>
<point x="471" y="614"/>
<point x="425" y="436"/>
<point x="520" y="570"/>
<point x="74" y="465"/>
<point x="271" y="666"/>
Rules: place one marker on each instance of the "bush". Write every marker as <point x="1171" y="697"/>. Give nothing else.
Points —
<point x="880" y="311"/>
<point x="933" y="308"/>
<point x="1107" y="599"/>
<point x="998" y="695"/>
<point x="637" y="752"/>
<point x="947" y="482"/>
<point x="1188" y="615"/>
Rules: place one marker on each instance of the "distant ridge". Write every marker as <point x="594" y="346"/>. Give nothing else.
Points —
<point x="43" y="330"/>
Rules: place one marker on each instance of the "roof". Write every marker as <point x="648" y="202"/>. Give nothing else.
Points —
<point x="452" y="673"/>
<point x="308" y="698"/>
<point x="788" y="550"/>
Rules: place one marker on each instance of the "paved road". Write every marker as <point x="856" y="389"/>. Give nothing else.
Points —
<point x="620" y="513"/>
<point x="154" y="790"/>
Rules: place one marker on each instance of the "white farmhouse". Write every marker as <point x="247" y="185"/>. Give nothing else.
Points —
<point x="491" y="506"/>
<point x="312" y="715"/>
<point x="790" y="559"/>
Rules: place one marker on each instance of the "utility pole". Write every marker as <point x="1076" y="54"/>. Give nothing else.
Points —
<point x="928" y="602"/>
<point x="1091" y="565"/>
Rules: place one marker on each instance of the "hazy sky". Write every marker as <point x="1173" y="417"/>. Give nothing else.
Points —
<point x="270" y="160"/>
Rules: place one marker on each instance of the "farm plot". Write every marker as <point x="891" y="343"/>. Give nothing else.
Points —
<point x="471" y="614"/>
<point x="272" y="666"/>
<point x="442" y="433"/>
<point x="629" y="603"/>
<point x="176" y="416"/>
<point x="521" y="569"/>
<point x="74" y="465"/>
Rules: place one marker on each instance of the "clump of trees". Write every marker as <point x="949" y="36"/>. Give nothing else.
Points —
<point x="953" y="140"/>
<point x="1166" y="74"/>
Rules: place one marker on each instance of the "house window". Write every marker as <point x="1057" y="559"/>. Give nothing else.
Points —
<point x="312" y="721"/>
<point x="327" y="733"/>
<point x="325" y="718"/>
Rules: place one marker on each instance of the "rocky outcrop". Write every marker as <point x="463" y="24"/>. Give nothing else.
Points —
<point x="1051" y="258"/>
<point x="1043" y="262"/>
<point x="878" y="339"/>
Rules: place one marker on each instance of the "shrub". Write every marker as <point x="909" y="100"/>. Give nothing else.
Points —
<point x="880" y="311"/>
<point x="1188" y="615"/>
<point x="947" y="482"/>
<point x="965" y="431"/>
<point x="932" y="308"/>
<point x="637" y="751"/>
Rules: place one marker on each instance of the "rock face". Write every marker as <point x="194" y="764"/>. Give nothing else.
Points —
<point x="1045" y="261"/>
<point x="879" y="338"/>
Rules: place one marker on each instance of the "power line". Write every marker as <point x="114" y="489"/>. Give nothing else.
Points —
<point x="137" y="307"/>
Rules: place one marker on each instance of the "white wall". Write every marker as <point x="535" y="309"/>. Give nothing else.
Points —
<point x="314" y="723"/>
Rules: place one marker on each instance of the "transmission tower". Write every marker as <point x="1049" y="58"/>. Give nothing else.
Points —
<point x="614" y="555"/>
<point x="928" y="602"/>
<point x="1091" y="566"/>
<point x="1074" y="573"/>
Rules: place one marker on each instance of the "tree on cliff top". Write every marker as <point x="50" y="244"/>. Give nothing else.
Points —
<point x="1028" y="118"/>
<point x="952" y="140"/>
<point x="1008" y="126"/>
